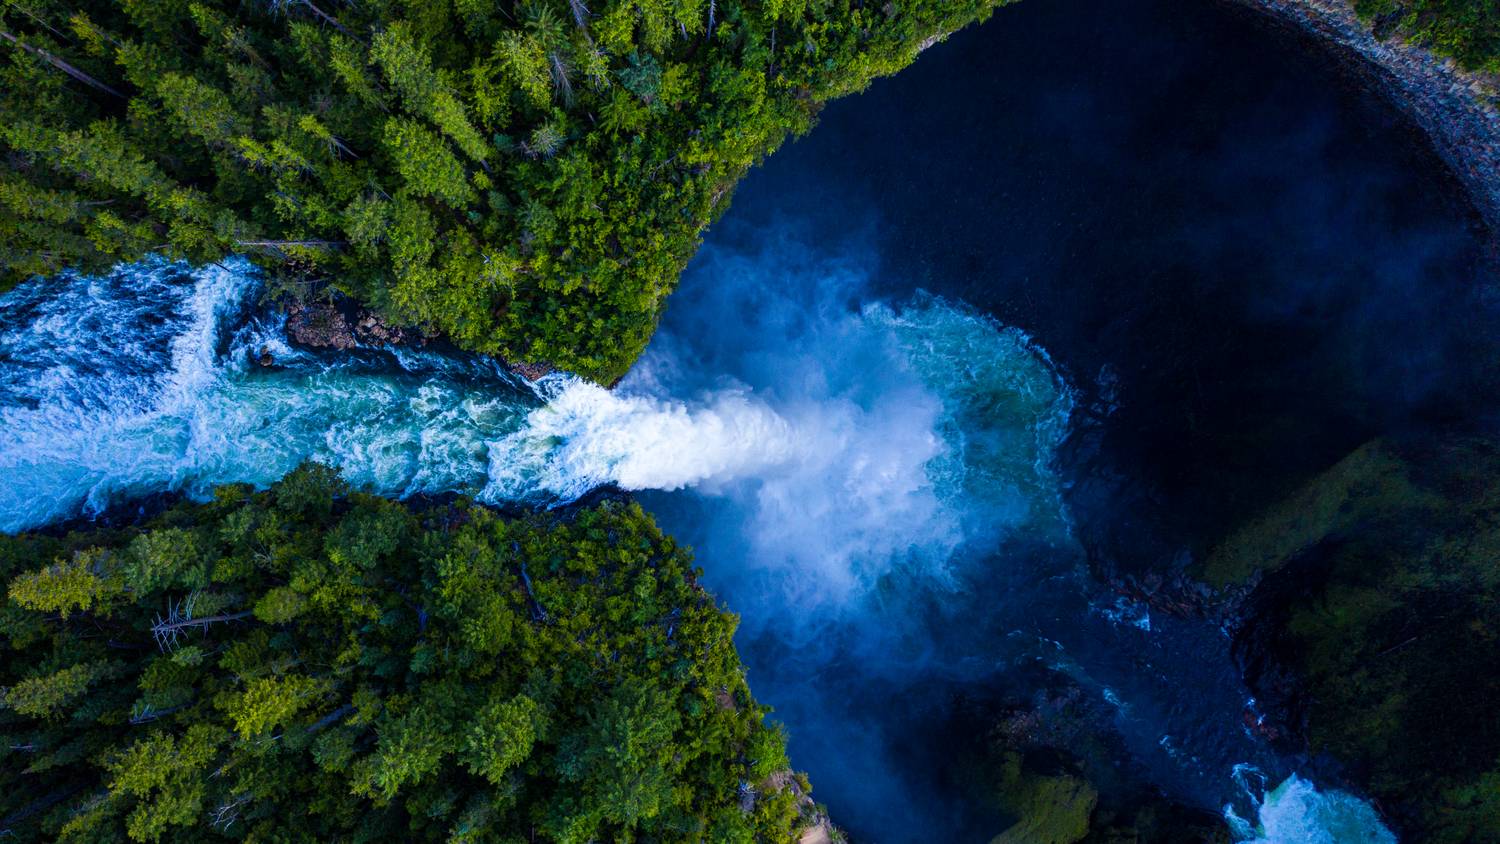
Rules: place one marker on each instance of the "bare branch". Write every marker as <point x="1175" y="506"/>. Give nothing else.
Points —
<point x="560" y="77"/>
<point x="580" y="14"/>
<point x="331" y="718"/>
<point x="167" y="629"/>
<point x="277" y="244"/>
<point x="537" y="611"/>
<point x="61" y="65"/>
<point x="148" y="714"/>
<point x="283" y="5"/>
<point x="227" y="813"/>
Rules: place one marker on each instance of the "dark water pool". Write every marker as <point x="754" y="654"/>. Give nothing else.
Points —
<point x="1231" y="224"/>
<point x="1244" y="260"/>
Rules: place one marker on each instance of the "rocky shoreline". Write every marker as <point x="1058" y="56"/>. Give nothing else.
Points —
<point x="1358" y="608"/>
<point x="1459" y="113"/>
<point x="1458" y="110"/>
<point x="342" y="324"/>
<point x="1369" y="635"/>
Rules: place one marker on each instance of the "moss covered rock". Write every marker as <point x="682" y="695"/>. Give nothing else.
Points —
<point x="1052" y="809"/>
<point x="1373" y="630"/>
<point x="1054" y="769"/>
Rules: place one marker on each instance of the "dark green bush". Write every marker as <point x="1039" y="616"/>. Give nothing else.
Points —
<point x="312" y="664"/>
<point x="527" y="178"/>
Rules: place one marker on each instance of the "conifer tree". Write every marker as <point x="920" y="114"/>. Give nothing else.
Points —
<point x="528" y="178"/>
<point x="310" y="663"/>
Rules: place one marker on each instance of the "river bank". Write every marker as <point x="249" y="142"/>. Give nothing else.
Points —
<point x="1243" y="272"/>
<point x="340" y="323"/>
<point x="1459" y="110"/>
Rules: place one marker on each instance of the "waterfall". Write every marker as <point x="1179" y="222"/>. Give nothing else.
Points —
<point x="146" y="379"/>
<point x="836" y="449"/>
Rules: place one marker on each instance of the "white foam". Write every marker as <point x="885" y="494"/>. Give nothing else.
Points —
<point x="861" y="443"/>
<point x="872" y="440"/>
<point x="1298" y="812"/>
<point x="586" y="436"/>
<point x="125" y="384"/>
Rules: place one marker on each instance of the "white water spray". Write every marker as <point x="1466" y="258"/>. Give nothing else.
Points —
<point x="864" y="456"/>
<point x="844" y="449"/>
<point x="586" y="436"/>
<point x="1298" y="812"/>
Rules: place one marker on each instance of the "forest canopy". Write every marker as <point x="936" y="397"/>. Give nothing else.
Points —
<point x="313" y="663"/>
<point x="526" y="178"/>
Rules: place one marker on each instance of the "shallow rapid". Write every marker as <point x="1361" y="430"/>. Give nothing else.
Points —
<point x="143" y="381"/>
<point x="1204" y="263"/>
<point x="159" y="377"/>
<point x="848" y="461"/>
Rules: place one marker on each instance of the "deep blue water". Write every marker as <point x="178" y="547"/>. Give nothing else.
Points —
<point x="1055" y="306"/>
<point x="1180" y="197"/>
<point x="1243" y="259"/>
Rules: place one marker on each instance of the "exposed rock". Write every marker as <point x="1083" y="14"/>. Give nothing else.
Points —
<point x="1175" y="593"/>
<point x="1458" y="109"/>
<point x="1371" y="633"/>
<point x="531" y="371"/>
<point x="370" y="329"/>
<point x="931" y="41"/>
<point x="342" y="325"/>
<point x="817" y="827"/>
<point x="319" y="326"/>
<point x="1269" y="729"/>
<point x="725" y="700"/>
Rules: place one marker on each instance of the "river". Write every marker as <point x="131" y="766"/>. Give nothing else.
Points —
<point x="1059" y="303"/>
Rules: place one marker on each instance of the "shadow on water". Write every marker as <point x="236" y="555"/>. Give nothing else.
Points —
<point x="1202" y="212"/>
<point x="1174" y="264"/>
<point x="1244" y="261"/>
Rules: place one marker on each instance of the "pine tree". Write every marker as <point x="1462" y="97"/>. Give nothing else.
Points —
<point x="313" y="663"/>
<point x="324" y="139"/>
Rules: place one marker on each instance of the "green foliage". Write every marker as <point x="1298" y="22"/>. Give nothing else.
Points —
<point x="503" y="737"/>
<point x="308" y="663"/>
<point x="1367" y="482"/>
<point x="45" y="696"/>
<point x="767" y="753"/>
<point x="67" y="585"/>
<point x="1467" y="30"/>
<point x="1051" y="809"/>
<point x="1378" y="607"/>
<point x="280" y="605"/>
<point x="1047" y="756"/>
<point x="269" y="702"/>
<point x="527" y="178"/>
<point x="426" y="163"/>
<point x="162" y="778"/>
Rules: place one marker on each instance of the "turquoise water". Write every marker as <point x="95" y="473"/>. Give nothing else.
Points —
<point x="856" y="451"/>
<point x="145" y="380"/>
<point x="102" y="400"/>
<point x="1298" y="812"/>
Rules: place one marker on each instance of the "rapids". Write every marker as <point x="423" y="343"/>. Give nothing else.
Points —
<point x="1200" y="263"/>
<point x="850" y="463"/>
